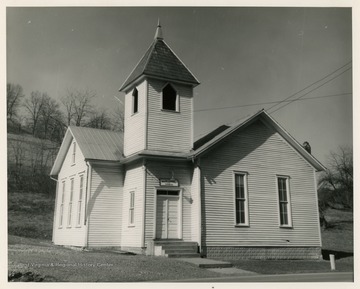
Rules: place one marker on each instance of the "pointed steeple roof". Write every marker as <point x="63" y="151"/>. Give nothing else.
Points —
<point x="160" y="61"/>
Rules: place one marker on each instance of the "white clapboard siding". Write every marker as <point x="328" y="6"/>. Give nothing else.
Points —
<point x="134" y="182"/>
<point x="70" y="235"/>
<point x="104" y="207"/>
<point x="169" y="131"/>
<point x="163" y="170"/>
<point x="134" y="124"/>
<point x="262" y="153"/>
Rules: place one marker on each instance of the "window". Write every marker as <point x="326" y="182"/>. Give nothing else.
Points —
<point x="74" y="153"/>
<point x="80" y="200"/>
<point x="241" y="206"/>
<point x="135" y="102"/>
<point x="70" y="202"/>
<point x="131" y="208"/>
<point x="284" y="201"/>
<point x="62" y="205"/>
<point x="169" y="98"/>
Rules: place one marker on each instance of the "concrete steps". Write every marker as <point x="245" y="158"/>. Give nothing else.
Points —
<point x="176" y="249"/>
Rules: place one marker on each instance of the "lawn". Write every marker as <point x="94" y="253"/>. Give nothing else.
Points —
<point x="57" y="263"/>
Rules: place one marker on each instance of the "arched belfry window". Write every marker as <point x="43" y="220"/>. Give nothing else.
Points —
<point x="135" y="101"/>
<point x="170" y="98"/>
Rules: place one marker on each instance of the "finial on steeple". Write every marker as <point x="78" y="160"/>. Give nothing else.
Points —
<point x="158" y="34"/>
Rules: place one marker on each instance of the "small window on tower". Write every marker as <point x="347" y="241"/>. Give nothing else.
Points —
<point x="135" y="103"/>
<point x="170" y="98"/>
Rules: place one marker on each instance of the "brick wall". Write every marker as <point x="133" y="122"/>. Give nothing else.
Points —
<point x="264" y="253"/>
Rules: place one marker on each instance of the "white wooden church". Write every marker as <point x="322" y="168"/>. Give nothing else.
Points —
<point x="242" y="191"/>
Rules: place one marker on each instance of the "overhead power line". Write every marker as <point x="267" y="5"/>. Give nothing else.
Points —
<point x="310" y="85"/>
<point x="296" y="99"/>
<point x="272" y="102"/>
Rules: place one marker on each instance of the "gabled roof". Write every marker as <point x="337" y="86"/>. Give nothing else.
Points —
<point x="217" y="136"/>
<point x="95" y="144"/>
<point x="160" y="61"/>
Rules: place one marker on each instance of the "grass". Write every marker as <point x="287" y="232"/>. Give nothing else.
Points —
<point x="61" y="264"/>
<point x="30" y="215"/>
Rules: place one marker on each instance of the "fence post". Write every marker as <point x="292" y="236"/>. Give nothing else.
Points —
<point x="332" y="262"/>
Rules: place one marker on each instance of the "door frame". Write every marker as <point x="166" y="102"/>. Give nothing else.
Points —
<point x="180" y="209"/>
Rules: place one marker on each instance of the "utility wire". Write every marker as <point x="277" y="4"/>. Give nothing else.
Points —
<point x="271" y="102"/>
<point x="313" y="83"/>
<point x="309" y="91"/>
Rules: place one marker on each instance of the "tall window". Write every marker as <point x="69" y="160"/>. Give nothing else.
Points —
<point x="135" y="102"/>
<point x="241" y="205"/>
<point x="284" y="201"/>
<point x="80" y="200"/>
<point x="169" y="98"/>
<point x="62" y="205"/>
<point x="74" y="153"/>
<point x="70" y="202"/>
<point x="132" y="208"/>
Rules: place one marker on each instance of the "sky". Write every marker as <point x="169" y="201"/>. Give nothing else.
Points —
<point x="245" y="59"/>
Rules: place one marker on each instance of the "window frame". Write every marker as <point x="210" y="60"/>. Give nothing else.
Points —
<point x="177" y="99"/>
<point x="61" y="214"/>
<point x="73" y="159"/>
<point x="135" y="100"/>
<point x="288" y="202"/>
<point x="71" y="196"/>
<point x="79" y="205"/>
<point x="246" y="223"/>
<point x="131" y="220"/>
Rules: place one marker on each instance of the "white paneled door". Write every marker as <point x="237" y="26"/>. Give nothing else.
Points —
<point x="167" y="215"/>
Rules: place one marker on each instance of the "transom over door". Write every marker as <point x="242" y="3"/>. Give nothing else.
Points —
<point x="167" y="215"/>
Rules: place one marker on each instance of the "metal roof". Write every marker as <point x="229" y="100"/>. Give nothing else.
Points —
<point x="99" y="144"/>
<point x="95" y="144"/>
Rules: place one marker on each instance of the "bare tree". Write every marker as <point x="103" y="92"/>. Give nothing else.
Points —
<point x="51" y="118"/>
<point x="34" y="106"/>
<point x="117" y="119"/>
<point x="78" y="106"/>
<point x="336" y="183"/>
<point x="13" y="100"/>
<point x="99" y="119"/>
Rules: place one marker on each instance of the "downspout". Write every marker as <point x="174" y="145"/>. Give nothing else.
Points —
<point x="56" y="200"/>
<point x="199" y="208"/>
<point x="143" y="205"/>
<point x="86" y="219"/>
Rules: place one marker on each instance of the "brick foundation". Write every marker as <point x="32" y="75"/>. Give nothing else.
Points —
<point x="262" y="253"/>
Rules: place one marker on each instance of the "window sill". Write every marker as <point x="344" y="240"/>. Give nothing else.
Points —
<point x="73" y="164"/>
<point x="78" y="226"/>
<point x="60" y="227"/>
<point x="169" y="110"/>
<point x="68" y="227"/>
<point x="131" y="226"/>
<point x="286" y="227"/>
<point x="242" y="225"/>
<point x="135" y="113"/>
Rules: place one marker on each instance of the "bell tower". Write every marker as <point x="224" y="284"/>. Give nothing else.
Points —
<point x="159" y="102"/>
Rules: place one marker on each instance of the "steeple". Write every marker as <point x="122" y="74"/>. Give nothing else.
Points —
<point x="158" y="33"/>
<point x="160" y="61"/>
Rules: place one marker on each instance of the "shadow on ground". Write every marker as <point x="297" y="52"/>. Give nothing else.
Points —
<point x="338" y="254"/>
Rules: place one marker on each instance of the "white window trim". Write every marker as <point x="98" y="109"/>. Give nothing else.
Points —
<point x="73" y="157"/>
<point x="133" y="102"/>
<point x="290" y="223"/>
<point x="71" y="196"/>
<point x="81" y="195"/>
<point x="177" y="104"/>
<point x="61" y="211"/>
<point x="246" y="206"/>
<point x="131" y="209"/>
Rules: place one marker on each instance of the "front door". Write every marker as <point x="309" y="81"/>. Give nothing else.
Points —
<point x="167" y="214"/>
